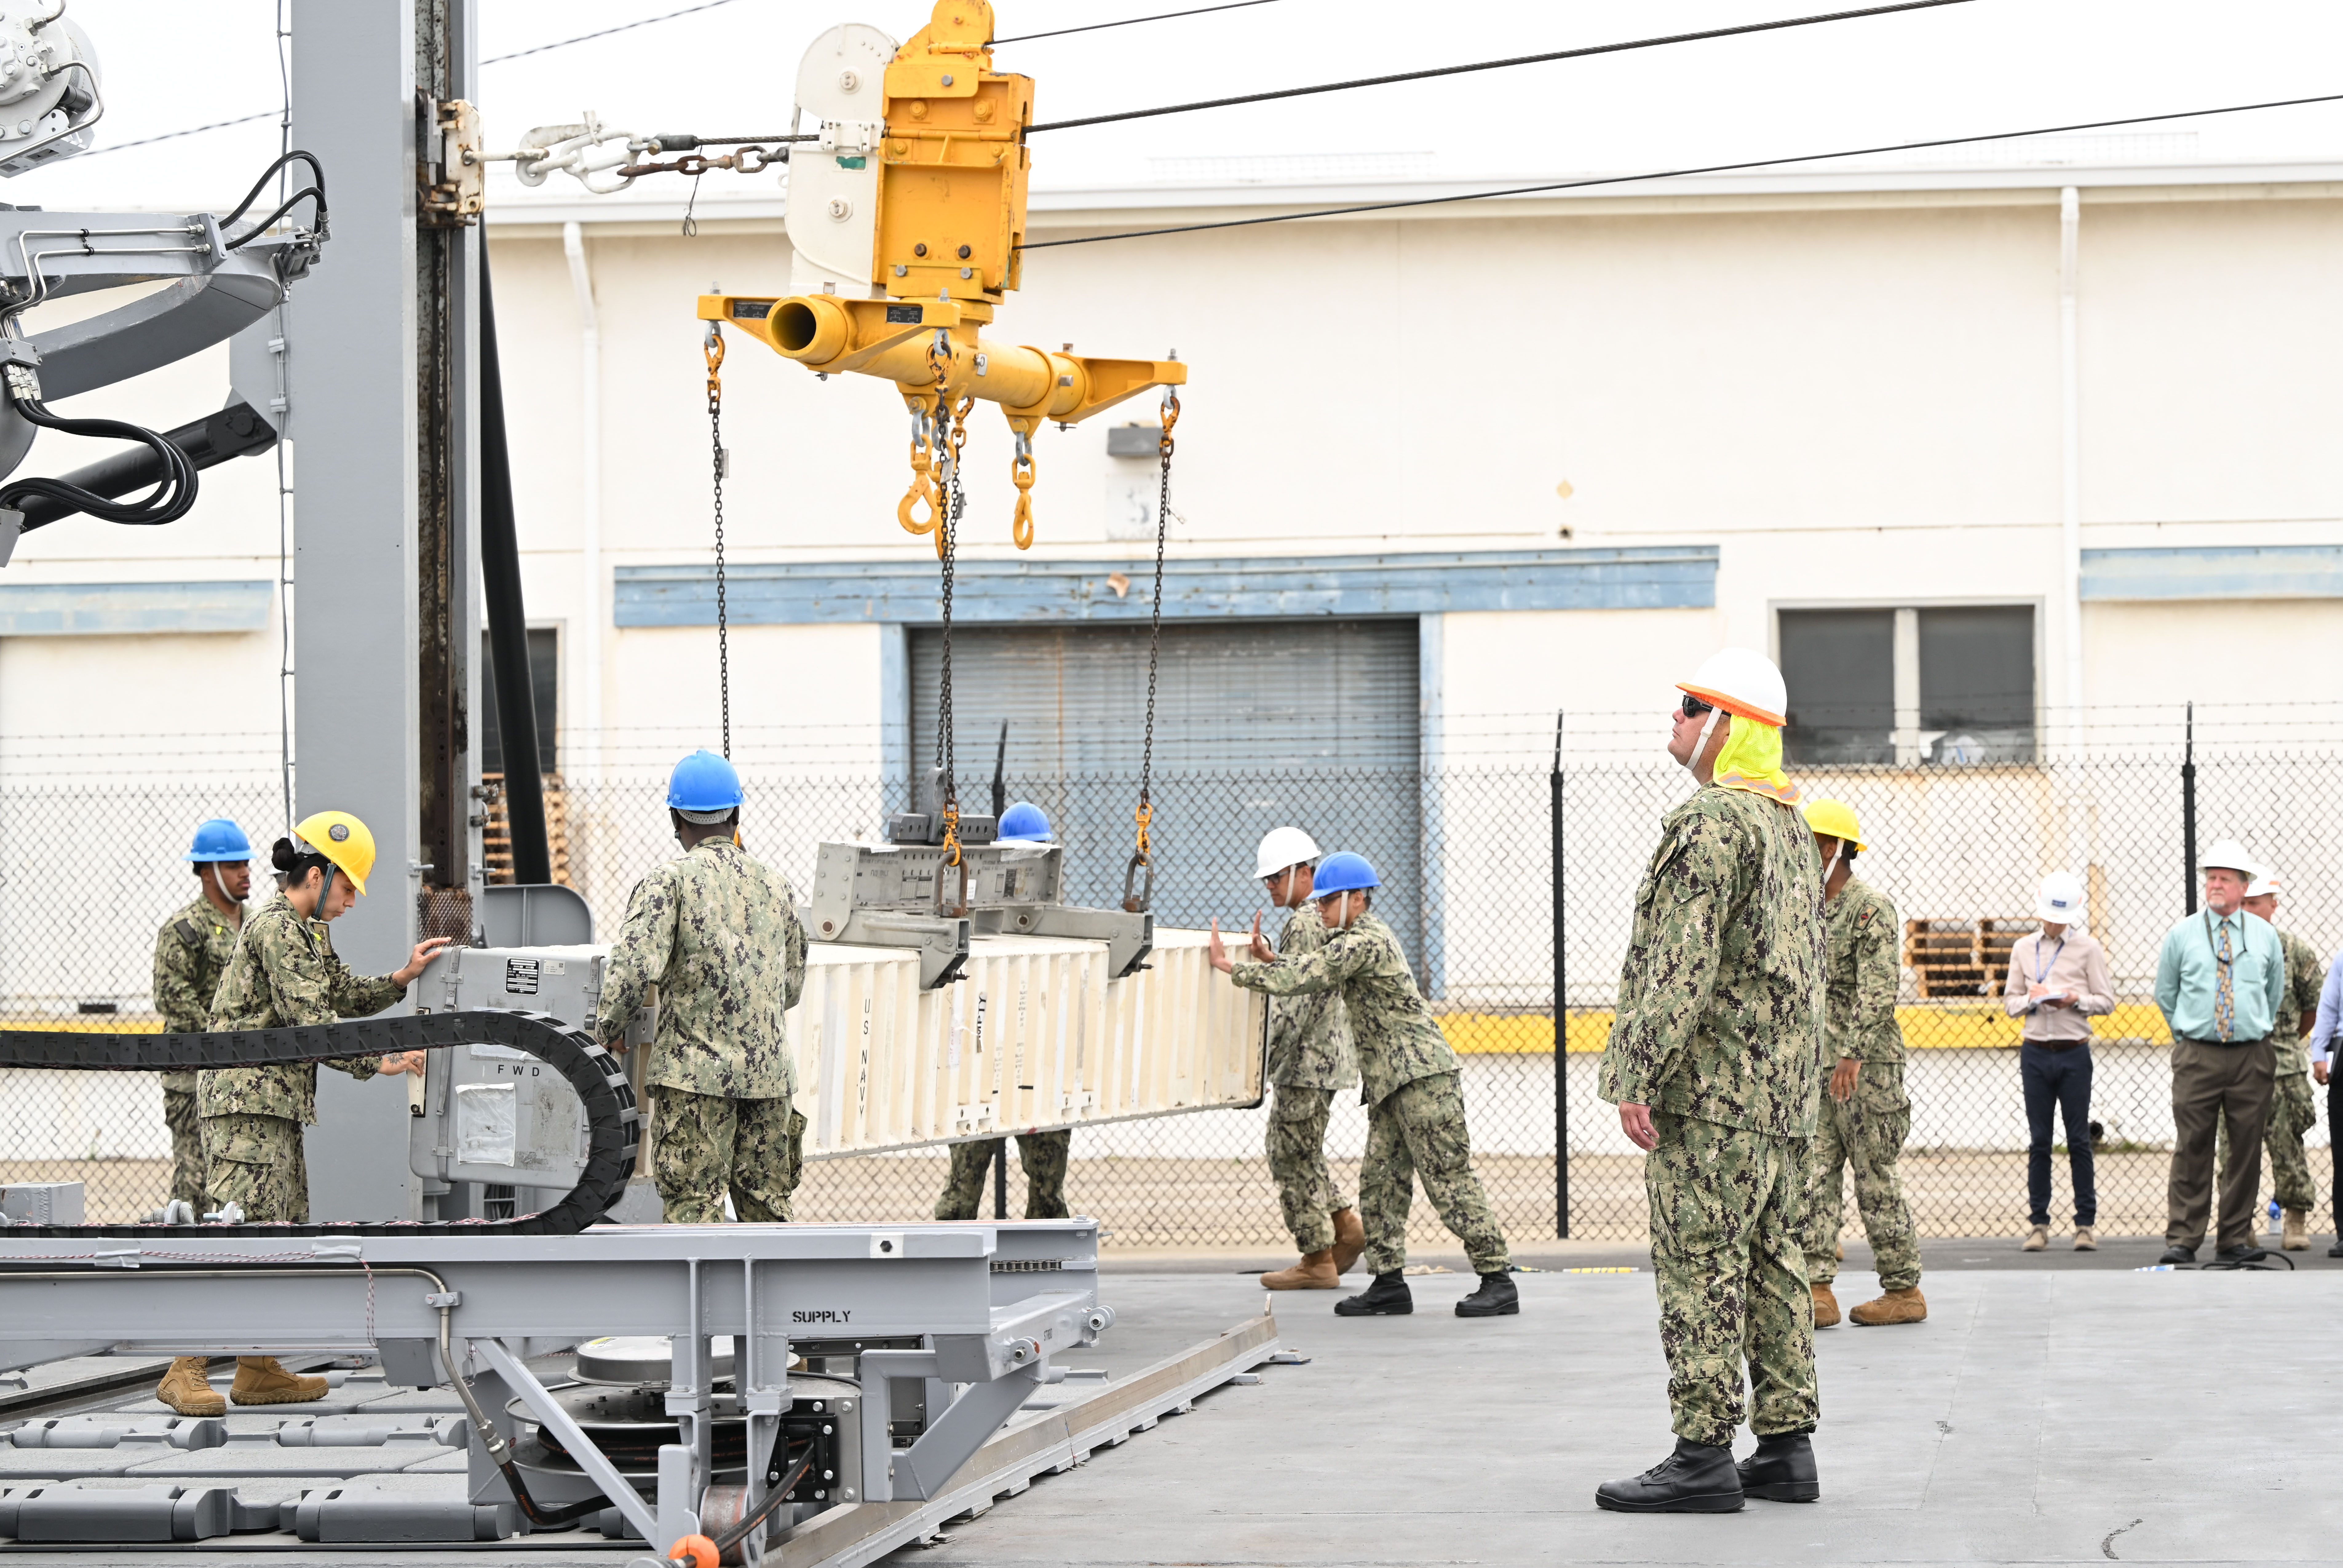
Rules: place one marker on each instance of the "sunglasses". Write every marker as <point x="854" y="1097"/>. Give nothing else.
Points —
<point x="1693" y="707"/>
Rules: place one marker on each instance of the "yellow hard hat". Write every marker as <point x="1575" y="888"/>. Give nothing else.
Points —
<point x="1835" y="819"/>
<point x="342" y="838"/>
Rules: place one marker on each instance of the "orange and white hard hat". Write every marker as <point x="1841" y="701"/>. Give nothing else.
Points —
<point x="1743" y="682"/>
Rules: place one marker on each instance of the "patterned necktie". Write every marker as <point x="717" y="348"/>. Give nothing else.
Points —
<point x="2225" y="1010"/>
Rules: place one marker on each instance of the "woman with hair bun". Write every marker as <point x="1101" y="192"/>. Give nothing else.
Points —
<point x="284" y="975"/>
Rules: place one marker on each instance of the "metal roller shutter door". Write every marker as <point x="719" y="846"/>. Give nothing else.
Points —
<point x="1313" y="722"/>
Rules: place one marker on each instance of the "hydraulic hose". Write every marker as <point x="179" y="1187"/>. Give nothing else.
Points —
<point x="175" y="486"/>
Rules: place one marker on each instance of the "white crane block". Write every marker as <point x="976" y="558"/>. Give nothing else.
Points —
<point x="1033" y="1036"/>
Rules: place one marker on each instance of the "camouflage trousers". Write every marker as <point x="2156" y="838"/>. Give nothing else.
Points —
<point x="255" y="1163"/>
<point x="188" y="1169"/>
<point x="2293" y="1113"/>
<point x="704" y="1146"/>
<point x="1867" y="1133"/>
<point x="1043" y="1155"/>
<point x="1418" y="1131"/>
<point x="1297" y="1163"/>
<point x="1727" y="1205"/>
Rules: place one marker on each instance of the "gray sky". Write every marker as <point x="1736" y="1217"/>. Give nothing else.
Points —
<point x="1986" y="66"/>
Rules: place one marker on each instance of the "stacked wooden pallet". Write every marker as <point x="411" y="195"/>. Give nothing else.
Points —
<point x="496" y="835"/>
<point x="1957" y="958"/>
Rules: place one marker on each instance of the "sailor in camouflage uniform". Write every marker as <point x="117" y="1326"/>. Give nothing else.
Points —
<point x="1415" y="1110"/>
<point x="1716" y="1064"/>
<point x="2293" y="1110"/>
<point x="1865" y="1114"/>
<point x="191" y="953"/>
<point x="717" y="931"/>
<point x="284" y="975"/>
<point x="1042" y="1155"/>
<point x="1309" y="1062"/>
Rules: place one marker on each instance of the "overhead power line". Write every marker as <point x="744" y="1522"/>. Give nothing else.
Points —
<point x="1736" y="32"/>
<point x="174" y="136"/>
<point x="1679" y="174"/>
<point x="1130" y="20"/>
<point x="604" y="32"/>
<point x="491" y="60"/>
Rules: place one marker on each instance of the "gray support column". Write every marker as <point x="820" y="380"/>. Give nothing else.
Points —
<point x="353" y="334"/>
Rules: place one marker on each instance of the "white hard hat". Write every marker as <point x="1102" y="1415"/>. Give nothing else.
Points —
<point x="1284" y="847"/>
<point x="1743" y="681"/>
<point x="2229" y="856"/>
<point x="2265" y="882"/>
<point x="2061" y="899"/>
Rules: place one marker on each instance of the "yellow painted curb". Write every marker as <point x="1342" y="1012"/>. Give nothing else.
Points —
<point x="1927" y="1026"/>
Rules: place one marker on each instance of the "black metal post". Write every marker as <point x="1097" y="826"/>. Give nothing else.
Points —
<point x="508" y="617"/>
<point x="1001" y="1179"/>
<point x="2189" y="807"/>
<point x="1561" y="1012"/>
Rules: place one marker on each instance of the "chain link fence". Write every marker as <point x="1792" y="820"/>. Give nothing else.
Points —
<point x="1465" y="852"/>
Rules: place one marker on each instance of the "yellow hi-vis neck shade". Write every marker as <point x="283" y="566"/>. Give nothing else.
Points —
<point x="1752" y="760"/>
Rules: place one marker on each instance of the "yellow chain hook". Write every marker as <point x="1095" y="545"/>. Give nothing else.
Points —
<point x="951" y="832"/>
<point x="715" y="351"/>
<point x="1021" y="473"/>
<point x="1143" y="816"/>
<point x="926" y="439"/>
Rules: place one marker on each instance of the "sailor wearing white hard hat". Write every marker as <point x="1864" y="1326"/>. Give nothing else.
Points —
<point x="1714" y="1062"/>
<point x="2220" y="979"/>
<point x="1310" y="1061"/>
<point x="2058" y="984"/>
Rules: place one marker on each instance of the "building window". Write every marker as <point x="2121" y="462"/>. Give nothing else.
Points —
<point x="1951" y="685"/>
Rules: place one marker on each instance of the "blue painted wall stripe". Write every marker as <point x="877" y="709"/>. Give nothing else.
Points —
<point x="1671" y="577"/>
<point x="2214" y="571"/>
<point x="121" y="609"/>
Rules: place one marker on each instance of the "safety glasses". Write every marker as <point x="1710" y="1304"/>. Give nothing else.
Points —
<point x="1693" y="707"/>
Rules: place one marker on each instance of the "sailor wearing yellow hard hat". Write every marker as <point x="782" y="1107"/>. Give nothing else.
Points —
<point x="1714" y="1062"/>
<point x="1865" y="1116"/>
<point x="284" y="975"/>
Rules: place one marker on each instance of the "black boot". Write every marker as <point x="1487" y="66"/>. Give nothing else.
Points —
<point x="2177" y="1255"/>
<point x="1782" y="1470"/>
<point x="1496" y="1298"/>
<point x="1388" y="1297"/>
<point x="2247" y="1253"/>
<point x="1696" y="1479"/>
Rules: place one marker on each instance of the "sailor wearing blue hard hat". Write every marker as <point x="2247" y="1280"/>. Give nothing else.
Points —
<point x="1415" y="1110"/>
<point x="191" y="953"/>
<point x="1042" y="1155"/>
<point x="717" y="931"/>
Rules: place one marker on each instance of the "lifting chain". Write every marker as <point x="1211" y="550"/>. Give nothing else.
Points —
<point x="718" y="464"/>
<point x="1136" y="898"/>
<point x="950" y="439"/>
<point x="1021" y="471"/>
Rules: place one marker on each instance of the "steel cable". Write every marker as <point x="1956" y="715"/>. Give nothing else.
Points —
<point x="1745" y="27"/>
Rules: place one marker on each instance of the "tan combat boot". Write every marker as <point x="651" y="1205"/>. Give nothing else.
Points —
<point x="2085" y="1239"/>
<point x="2296" y="1237"/>
<point x="1826" y="1307"/>
<point x="1907" y="1306"/>
<point x="184" y="1389"/>
<point x="1316" y="1272"/>
<point x="1350" y="1239"/>
<point x="2037" y="1239"/>
<point x="259" y="1380"/>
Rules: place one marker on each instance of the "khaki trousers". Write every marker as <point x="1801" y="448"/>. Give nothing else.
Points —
<point x="2208" y="1082"/>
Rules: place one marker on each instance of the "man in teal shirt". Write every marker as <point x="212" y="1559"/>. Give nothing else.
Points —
<point x="2220" y="981"/>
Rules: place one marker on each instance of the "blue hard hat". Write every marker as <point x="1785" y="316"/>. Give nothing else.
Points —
<point x="1343" y="872"/>
<point x="1024" y="820"/>
<point x="703" y="781"/>
<point x="220" y="840"/>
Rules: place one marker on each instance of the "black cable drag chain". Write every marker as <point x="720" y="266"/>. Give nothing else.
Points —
<point x="614" y="1124"/>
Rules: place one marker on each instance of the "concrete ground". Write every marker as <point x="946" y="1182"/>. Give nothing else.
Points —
<point x="2055" y="1407"/>
<point x="2043" y="1414"/>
